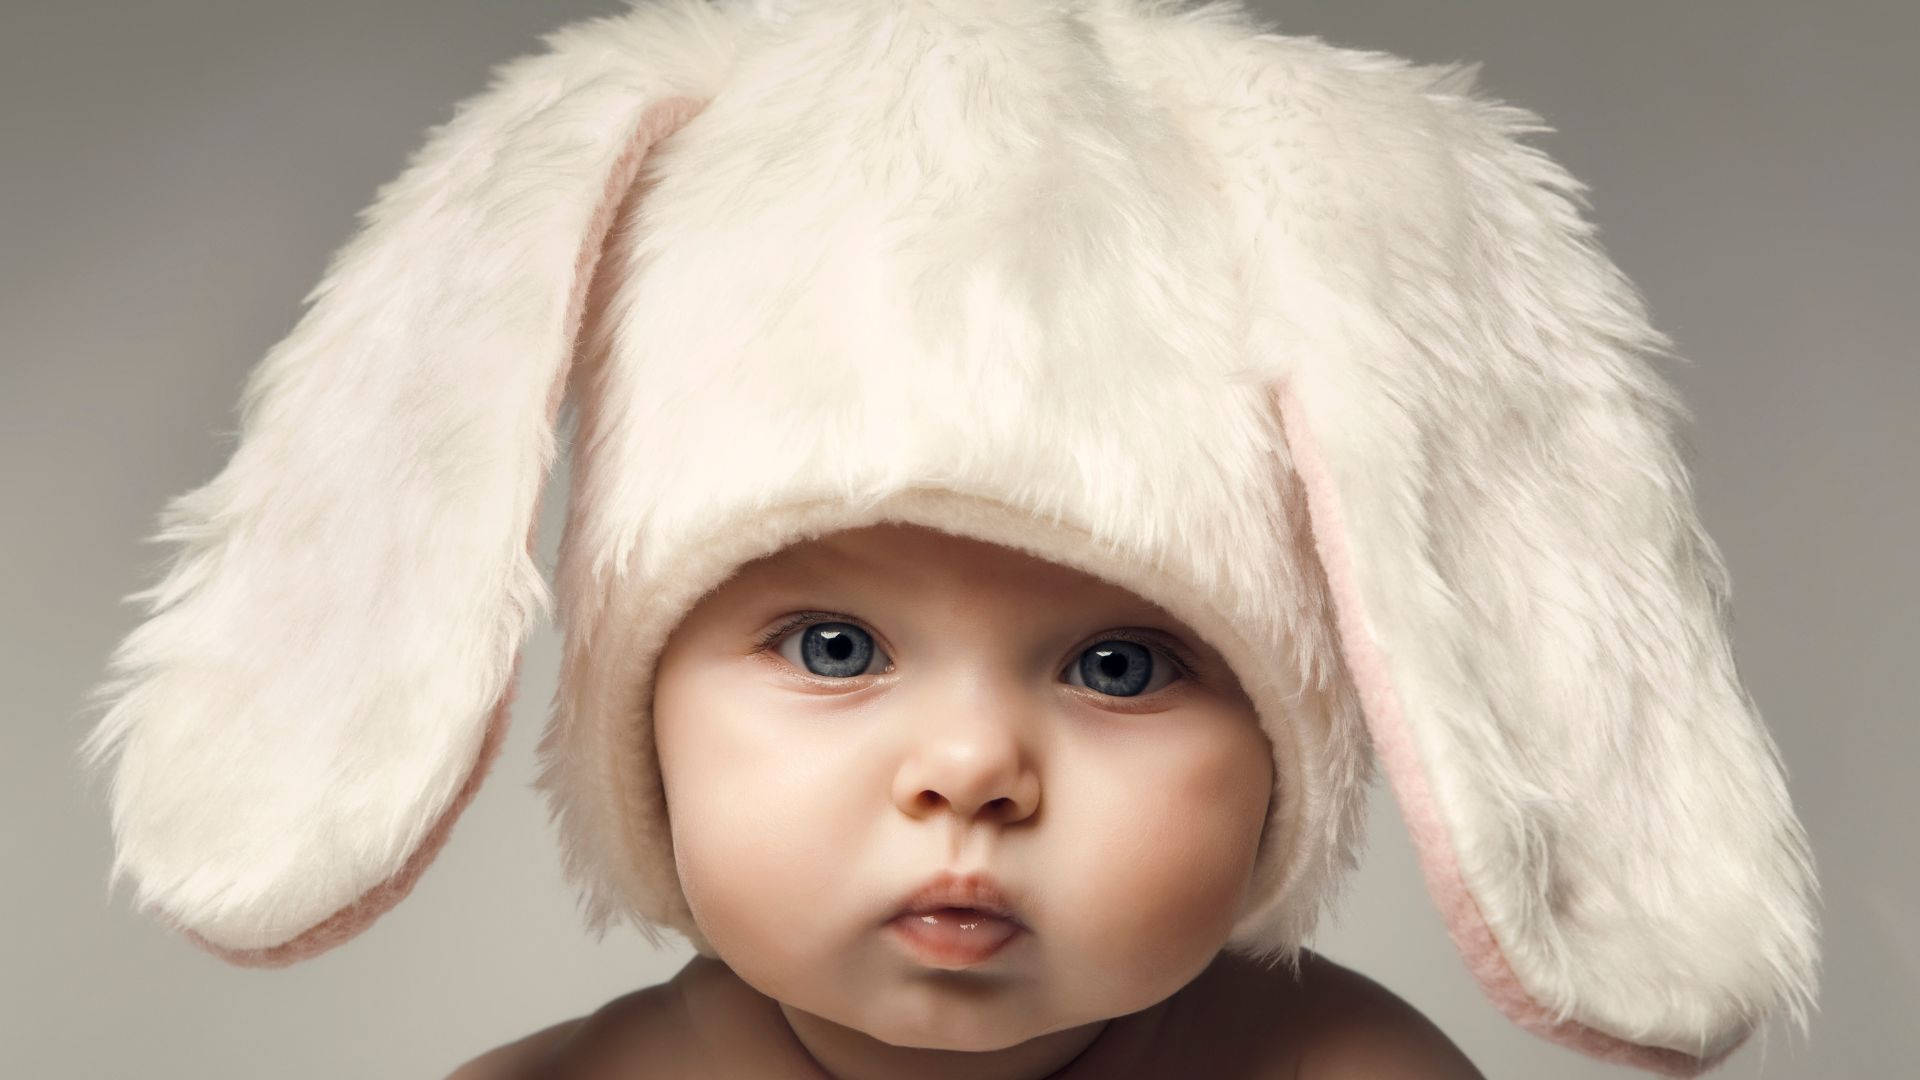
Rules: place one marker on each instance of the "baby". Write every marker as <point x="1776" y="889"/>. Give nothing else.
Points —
<point x="948" y="810"/>
<point x="1130" y="310"/>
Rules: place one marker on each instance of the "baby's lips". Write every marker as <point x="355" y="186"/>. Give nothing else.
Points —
<point x="955" y="936"/>
<point x="976" y="891"/>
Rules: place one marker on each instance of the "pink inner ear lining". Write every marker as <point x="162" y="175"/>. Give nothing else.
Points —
<point x="660" y="119"/>
<point x="377" y="901"/>
<point x="1393" y="743"/>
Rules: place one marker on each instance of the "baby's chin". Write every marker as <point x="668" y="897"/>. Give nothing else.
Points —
<point x="966" y="1011"/>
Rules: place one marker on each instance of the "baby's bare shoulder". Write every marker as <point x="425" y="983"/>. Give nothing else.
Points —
<point x="1327" y="1023"/>
<point x="1357" y="1027"/>
<point x="634" y="1027"/>
<point x="703" y="1022"/>
<point x="518" y="1058"/>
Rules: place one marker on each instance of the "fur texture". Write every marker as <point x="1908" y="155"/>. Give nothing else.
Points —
<point x="350" y="596"/>
<point x="1302" y="343"/>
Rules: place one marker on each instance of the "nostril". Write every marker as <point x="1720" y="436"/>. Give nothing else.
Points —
<point x="998" y="806"/>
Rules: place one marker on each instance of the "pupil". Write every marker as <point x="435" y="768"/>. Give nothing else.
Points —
<point x="1118" y="668"/>
<point x="838" y="650"/>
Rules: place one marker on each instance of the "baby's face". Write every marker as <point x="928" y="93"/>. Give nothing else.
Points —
<point x="954" y="705"/>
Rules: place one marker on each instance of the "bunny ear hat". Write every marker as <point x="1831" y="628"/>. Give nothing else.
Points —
<point x="1301" y="343"/>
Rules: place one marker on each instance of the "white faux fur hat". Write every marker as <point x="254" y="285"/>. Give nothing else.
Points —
<point x="1299" y="342"/>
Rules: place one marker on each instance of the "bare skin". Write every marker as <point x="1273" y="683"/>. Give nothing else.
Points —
<point x="970" y="731"/>
<point x="1237" y="1019"/>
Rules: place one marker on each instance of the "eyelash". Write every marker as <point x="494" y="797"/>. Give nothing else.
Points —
<point x="1182" y="662"/>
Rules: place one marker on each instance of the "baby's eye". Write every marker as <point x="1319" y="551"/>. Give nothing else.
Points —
<point x="1122" y="668"/>
<point x="833" y="650"/>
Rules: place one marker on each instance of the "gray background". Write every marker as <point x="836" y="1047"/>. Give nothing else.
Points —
<point x="174" y="175"/>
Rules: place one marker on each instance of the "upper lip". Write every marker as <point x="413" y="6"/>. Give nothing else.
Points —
<point x="950" y="890"/>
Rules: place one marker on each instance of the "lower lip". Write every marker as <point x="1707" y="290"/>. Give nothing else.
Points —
<point x="954" y="937"/>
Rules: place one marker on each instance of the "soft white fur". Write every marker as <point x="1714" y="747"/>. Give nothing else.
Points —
<point x="1032" y="272"/>
<point x="352" y="590"/>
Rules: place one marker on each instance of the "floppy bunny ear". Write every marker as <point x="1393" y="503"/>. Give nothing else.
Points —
<point x="1534" y="617"/>
<point x="325" y="673"/>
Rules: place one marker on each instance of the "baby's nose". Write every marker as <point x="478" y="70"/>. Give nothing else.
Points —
<point x="970" y="770"/>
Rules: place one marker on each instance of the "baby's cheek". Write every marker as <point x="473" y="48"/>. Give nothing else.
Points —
<point x="1178" y="836"/>
<point x="748" y="825"/>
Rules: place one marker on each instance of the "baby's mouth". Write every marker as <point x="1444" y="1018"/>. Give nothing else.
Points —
<point x="953" y="936"/>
